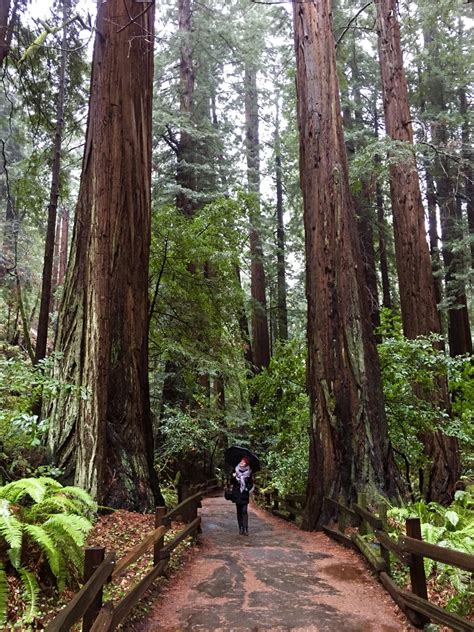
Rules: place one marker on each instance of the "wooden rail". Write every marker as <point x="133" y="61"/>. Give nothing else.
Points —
<point x="410" y="550"/>
<point x="287" y="507"/>
<point x="87" y="603"/>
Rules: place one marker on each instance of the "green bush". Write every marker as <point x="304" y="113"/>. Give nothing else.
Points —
<point x="22" y="450"/>
<point x="410" y="371"/>
<point x="451" y="527"/>
<point x="43" y="527"/>
<point x="280" y="419"/>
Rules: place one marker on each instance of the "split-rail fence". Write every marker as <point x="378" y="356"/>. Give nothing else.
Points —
<point x="101" y="568"/>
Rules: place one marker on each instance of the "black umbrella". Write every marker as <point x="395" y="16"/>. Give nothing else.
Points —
<point x="234" y="454"/>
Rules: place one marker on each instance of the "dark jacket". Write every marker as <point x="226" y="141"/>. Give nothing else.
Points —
<point x="242" y="498"/>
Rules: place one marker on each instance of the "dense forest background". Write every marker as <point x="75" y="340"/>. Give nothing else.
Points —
<point x="237" y="247"/>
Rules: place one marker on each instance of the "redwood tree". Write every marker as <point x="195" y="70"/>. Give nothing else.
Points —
<point x="48" y="262"/>
<point x="417" y="290"/>
<point x="350" y="449"/>
<point x="260" y="336"/>
<point x="102" y="436"/>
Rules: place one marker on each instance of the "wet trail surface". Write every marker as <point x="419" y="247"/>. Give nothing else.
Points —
<point x="277" y="578"/>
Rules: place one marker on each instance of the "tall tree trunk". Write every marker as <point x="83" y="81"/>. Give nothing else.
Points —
<point x="382" y="227"/>
<point x="363" y="201"/>
<point x="282" y="310"/>
<point x="64" y="246"/>
<point x="104" y="440"/>
<point x="350" y="449"/>
<point x="48" y="261"/>
<point x="417" y="292"/>
<point x="8" y="13"/>
<point x="260" y="337"/>
<point x="244" y="327"/>
<point x="459" y="331"/>
<point x="382" y="237"/>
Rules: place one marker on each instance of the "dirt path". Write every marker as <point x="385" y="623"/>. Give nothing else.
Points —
<point x="277" y="578"/>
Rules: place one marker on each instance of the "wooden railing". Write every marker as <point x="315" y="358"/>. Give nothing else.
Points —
<point x="288" y="507"/>
<point x="409" y="549"/>
<point x="100" y="569"/>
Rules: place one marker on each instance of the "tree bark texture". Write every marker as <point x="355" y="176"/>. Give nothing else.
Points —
<point x="382" y="228"/>
<point x="48" y="260"/>
<point x="103" y="440"/>
<point x="350" y="450"/>
<point x="363" y="199"/>
<point x="260" y="336"/>
<point x="417" y="290"/>
<point x="64" y="245"/>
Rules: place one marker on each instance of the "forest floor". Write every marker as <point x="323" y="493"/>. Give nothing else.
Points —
<point x="277" y="578"/>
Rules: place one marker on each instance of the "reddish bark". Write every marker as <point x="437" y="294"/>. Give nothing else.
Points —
<point x="350" y="450"/>
<point x="260" y="337"/>
<point x="417" y="290"/>
<point x="104" y="440"/>
<point x="48" y="260"/>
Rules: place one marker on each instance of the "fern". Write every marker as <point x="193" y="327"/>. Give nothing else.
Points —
<point x="54" y="504"/>
<point x="76" y="527"/>
<point x="51" y="519"/>
<point x="30" y="593"/>
<point x="10" y="526"/>
<point x="3" y="594"/>
<point x="15" y="491"/>
<point x="78" y="494"/>
<point x="45" y="542"/>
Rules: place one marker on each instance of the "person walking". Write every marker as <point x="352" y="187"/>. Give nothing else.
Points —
<point x="241" y="493"/>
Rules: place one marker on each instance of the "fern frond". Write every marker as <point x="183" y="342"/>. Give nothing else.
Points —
<point x="10" y="526"/>
<point x="52" y="505"/>
<point x="14" y="555"/>
<point x="76" y="527"/>
<point x="32" y="487"/>
<point x="50" y="483"/>
<point x="30" y="593"/>
<point x="3" y="595"/>
<point x="76" y="493"/>
<point x="41" y="538"/>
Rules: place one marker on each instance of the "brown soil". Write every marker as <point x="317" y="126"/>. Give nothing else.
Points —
<point x="279" y="578"/>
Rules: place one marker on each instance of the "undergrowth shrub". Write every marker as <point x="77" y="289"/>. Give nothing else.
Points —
<point x="43" y="527"/>
<point x="451" y="527"/>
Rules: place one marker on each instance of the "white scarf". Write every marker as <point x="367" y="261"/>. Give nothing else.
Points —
<point x="241" y="474"/>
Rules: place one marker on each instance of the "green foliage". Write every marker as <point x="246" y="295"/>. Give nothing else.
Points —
<point x="43" y="527"/>
<point x="280" y="420"/>
<point x="451" y="527"/>
<point x="23" y="434"/>
<point x="410" y="370"/>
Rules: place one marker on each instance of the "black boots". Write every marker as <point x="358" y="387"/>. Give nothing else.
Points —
<point x="243" y="531"/>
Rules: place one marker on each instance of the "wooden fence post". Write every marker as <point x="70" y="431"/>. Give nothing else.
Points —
<point x="384" y="553"/>
<point x="93" y="558"/>
<point x="159" y="513"/>
<point x="417" y="569"/>
<point x="362" y="502"/>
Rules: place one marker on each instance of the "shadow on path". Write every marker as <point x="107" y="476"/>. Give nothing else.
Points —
<point x="278" y="578"/>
